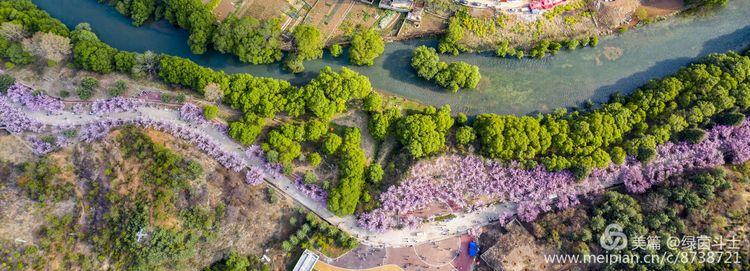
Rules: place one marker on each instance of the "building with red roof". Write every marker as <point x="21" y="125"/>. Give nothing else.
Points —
<point x="545" y="4"/>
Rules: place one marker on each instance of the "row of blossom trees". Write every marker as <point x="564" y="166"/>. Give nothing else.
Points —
<point x="460" y="181"/>
<point x="18" y="122"/>
<point x="14" y="120"/>
<point x="457" y="181"/>
<point x="22" y="94"/>
<point x="115" y="105"/>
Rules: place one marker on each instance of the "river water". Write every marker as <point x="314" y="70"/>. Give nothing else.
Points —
<point x="620" y="63"/>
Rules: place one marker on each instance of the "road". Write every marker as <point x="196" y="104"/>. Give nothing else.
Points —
<point x="428" y="232"/>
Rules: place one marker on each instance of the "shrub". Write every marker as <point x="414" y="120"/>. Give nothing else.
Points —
<point x="645" y="155"/>
<point x="210" y="112"/>
<point x="314" y="159"/>
<point x="180" y="98"/>
<point x="693" y="135"/>
<point x="465" y="135"/>
<point x="554" y="47"/>
<point x="732" y="118"/>
<point x="272" y="156"/>
<point x="310" y="177"/>
<point x="165" y="98"/>
<point x="572" y="44"/>
<point x="375" y="173"/>
<point x="594" y="41"/>
<point x="273" y="198"/>
<point x="336" y="50"/>
<point x="503" y="49"/>
<point x="84" y="93"/>
<point x="86" y="90"/>
<point x="90" y="82"/>
<point x="585" y="41"/>
<point x="461" y="118"/>
<point x="118" y="88"/>
<point x="5" y="82"/>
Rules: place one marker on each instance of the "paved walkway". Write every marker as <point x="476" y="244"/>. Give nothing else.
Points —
<point x="322" y="266"/>
<point x="428" y="232"/>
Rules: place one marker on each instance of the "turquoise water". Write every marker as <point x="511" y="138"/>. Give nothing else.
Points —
<point x="508" y="85"/>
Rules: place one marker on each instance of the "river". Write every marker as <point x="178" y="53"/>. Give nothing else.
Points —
<point x="619" y="63"/>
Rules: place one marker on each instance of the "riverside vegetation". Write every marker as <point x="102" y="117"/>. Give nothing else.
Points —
<point x="583" y="139"/>
<point x="462" y="26"/>
<point x="677" y="107"/>
<point x="252" y="40"/>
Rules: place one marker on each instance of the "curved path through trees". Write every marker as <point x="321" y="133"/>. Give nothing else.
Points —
<point x="428" y="232"/>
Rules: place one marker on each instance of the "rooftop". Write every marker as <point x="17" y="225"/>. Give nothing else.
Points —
<point x="397" y="5"/>
<point x="415" y="15"/>
<point x="306" y="262"/>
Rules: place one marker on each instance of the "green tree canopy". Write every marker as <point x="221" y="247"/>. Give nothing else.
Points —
<point x="365" y="47"/>
<point x="252" y="40"/>
<point x="247" y="129"/>
<point x="424" y="134"/>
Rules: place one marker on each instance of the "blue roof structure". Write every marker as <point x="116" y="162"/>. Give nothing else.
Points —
<point x="473" y="249"/>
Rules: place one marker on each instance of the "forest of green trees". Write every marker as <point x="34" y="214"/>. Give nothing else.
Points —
<point x="655" y="113"/>
<point x="30" y="34"/>
<point x="696" y="204"/>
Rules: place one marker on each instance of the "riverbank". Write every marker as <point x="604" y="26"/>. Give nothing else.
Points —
<point x="564" y="80"/>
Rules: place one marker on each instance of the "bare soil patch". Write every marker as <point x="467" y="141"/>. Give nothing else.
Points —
<point x="662" y="7"/>
<point x="14" y="149"/>
<point x="263" y="9"/>
<point x="439" y="253"/>
<point x="223" y="10"/>
<point x="407" y="258"/>
<point x="429" y="25"/>
<point x="328" y="15"/>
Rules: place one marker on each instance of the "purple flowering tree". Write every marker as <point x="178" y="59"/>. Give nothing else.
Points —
<point x="22" y="94"/>
<point x="115" y="105"/>
<point x="460" y="182"/>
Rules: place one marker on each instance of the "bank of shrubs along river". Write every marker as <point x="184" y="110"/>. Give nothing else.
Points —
<point x="462" y="21"/>
<point x="676" y="107"/>
<point x="252" y="40"/>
